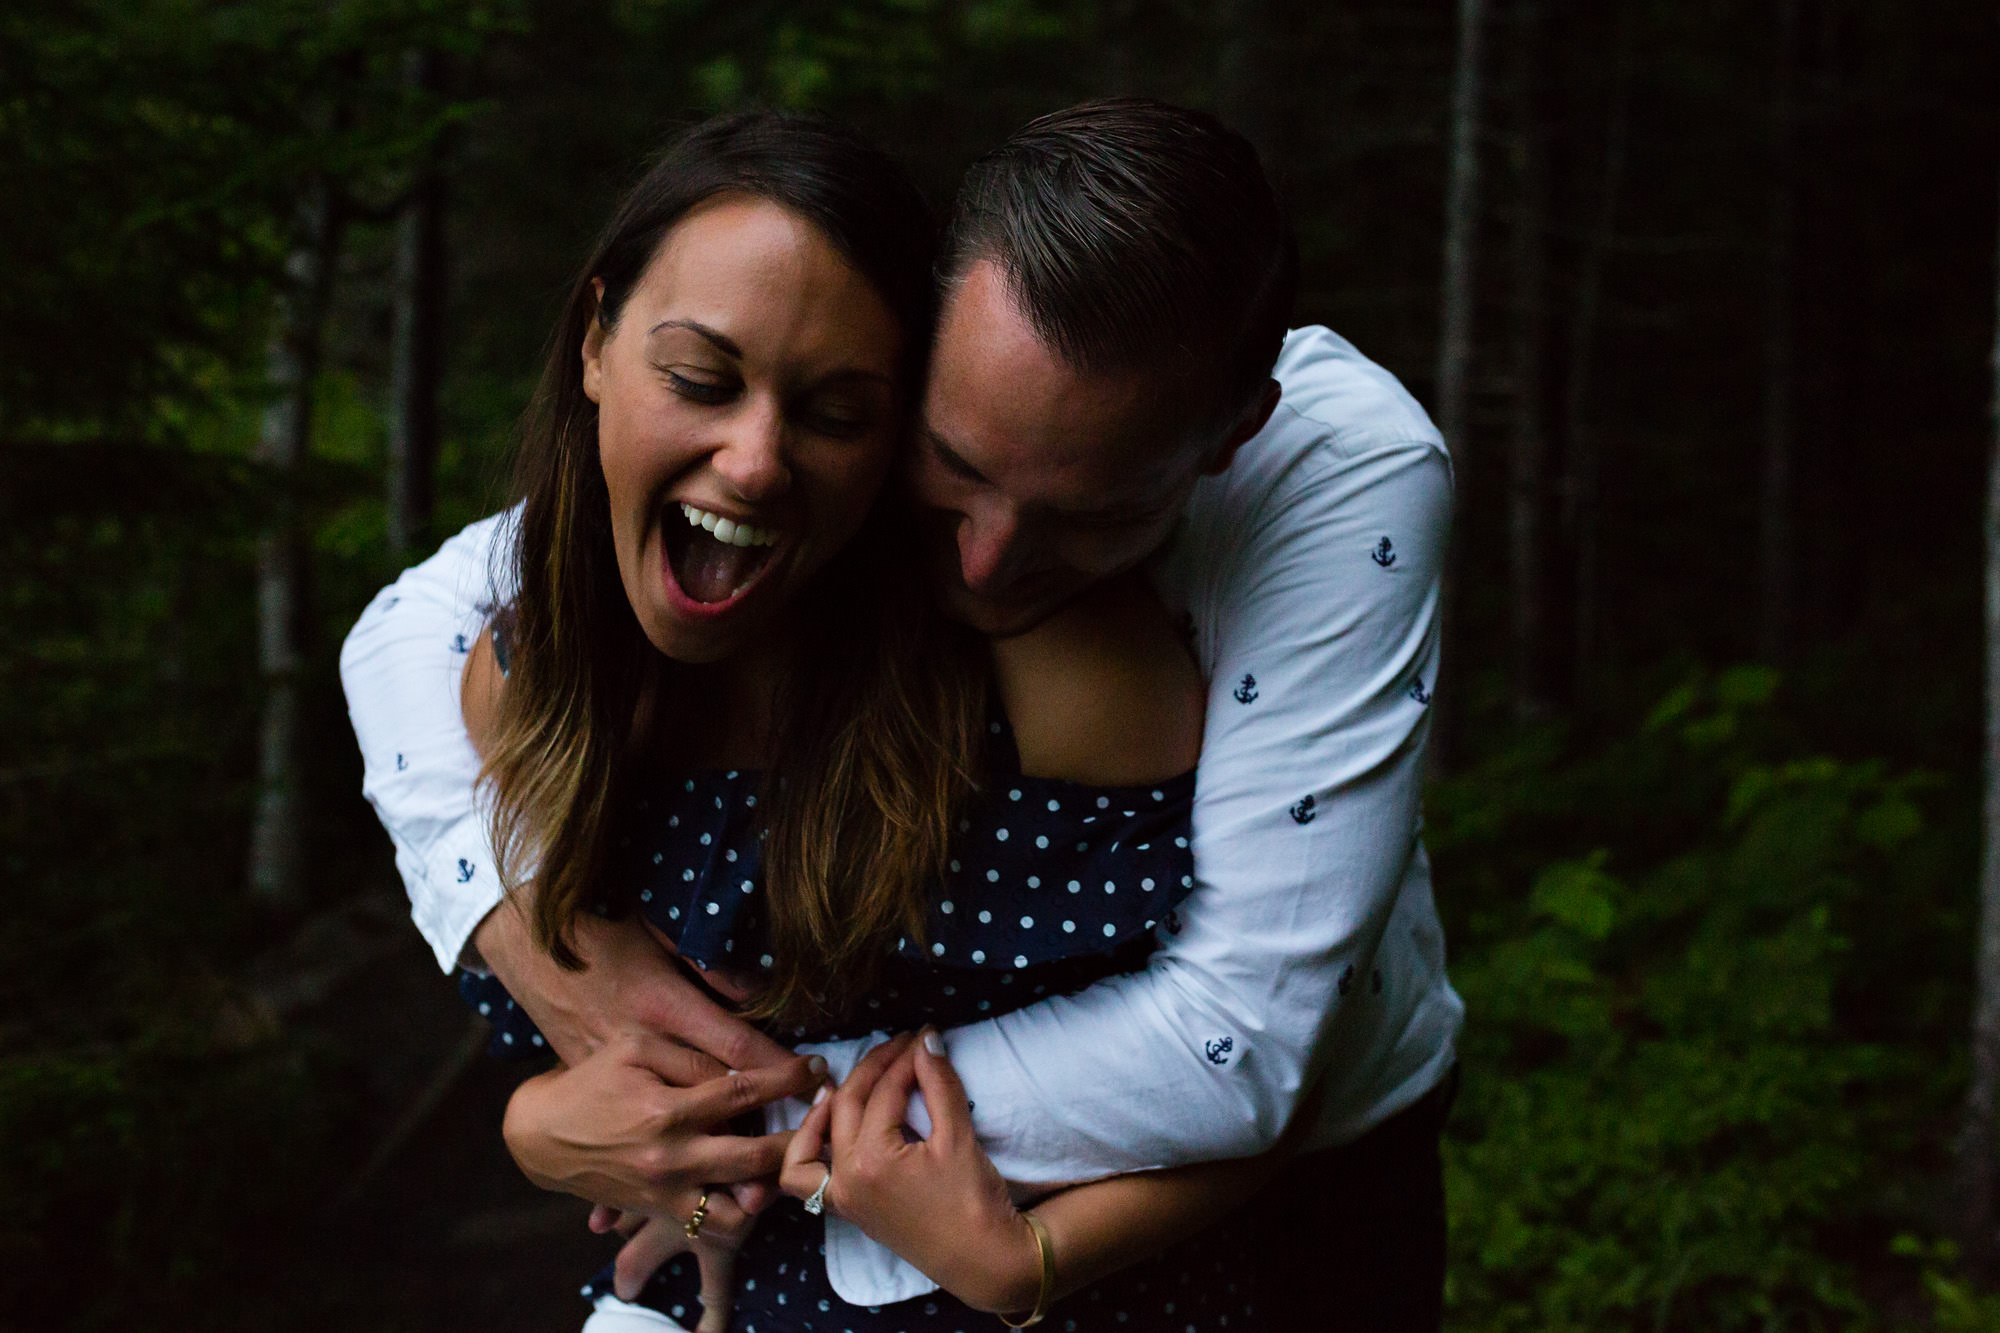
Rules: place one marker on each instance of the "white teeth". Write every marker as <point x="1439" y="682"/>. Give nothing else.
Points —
<point x="727" y="530"/>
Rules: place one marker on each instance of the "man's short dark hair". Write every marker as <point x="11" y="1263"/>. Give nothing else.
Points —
<point x="1137" y="234"/>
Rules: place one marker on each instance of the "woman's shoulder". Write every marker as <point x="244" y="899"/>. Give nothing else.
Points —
<point x="482" y="685"/>
<point x="1105" y="691"/>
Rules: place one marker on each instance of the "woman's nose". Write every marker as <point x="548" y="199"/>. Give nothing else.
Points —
<point x="752" y="457"/>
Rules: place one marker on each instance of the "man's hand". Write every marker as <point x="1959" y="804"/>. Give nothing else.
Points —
<point x="616" y="1130"/>
<point x="630" y="983"/>
<point x="664" y="1034"/>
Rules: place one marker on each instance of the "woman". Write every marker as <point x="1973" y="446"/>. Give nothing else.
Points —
<point x="722" y="701"/>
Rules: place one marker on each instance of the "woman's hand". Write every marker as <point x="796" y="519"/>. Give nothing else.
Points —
<point x="641" y="1124"/>
<point x="937" y="1202"/>
<point x="651" y="1241"/>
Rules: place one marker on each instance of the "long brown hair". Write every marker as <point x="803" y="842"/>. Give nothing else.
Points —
<point x="879" y="717"/>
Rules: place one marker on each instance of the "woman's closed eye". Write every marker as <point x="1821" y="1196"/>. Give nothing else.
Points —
<point x="696" y="386"/>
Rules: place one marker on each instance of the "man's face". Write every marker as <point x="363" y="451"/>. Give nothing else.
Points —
<point x="1043" y="479"/>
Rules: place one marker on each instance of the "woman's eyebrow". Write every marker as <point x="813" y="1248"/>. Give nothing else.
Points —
<point x="722" y="342"/>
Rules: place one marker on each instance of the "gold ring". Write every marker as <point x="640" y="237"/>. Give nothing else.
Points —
<point x="696" y="1218"/>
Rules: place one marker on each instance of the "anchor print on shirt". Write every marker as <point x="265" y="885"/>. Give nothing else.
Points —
<point x="402" y="764"/>
<point x="1218" y="1049"/>
<point x="1419" y="693"/>
<point x="1384" y="553"/>
<point x="1303" y="812"/>
<point x="459" y="644"/>
<point x="1246" y="690"/>
<point x="464" y="870"/>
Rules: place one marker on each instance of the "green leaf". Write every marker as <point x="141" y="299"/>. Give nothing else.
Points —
<point x="1579" y="895"/>
<point x="1709" y="732"/>
<point x="1746" y="686"/>
<point x="1677" y="705"/>
<point x="1889" y="823"/>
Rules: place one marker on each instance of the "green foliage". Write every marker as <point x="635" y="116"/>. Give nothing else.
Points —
<point x="1716" y="979"/>
<point x="156" y="148"/>
<point x="1956" y="1306"/>
<point x="113" y="1153"/>
<point x="1677" y="1112"/>
<point x="156" y="1129"/>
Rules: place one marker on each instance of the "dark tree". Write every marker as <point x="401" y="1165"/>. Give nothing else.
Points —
<point x="1976" y="1167"/>
<point x="1461" y="228"/>
<point x="416" y="352"/>
<point x="1581" y="480"/>
<point x="1527" y="459"/>
<point x="1776" y="501"/>
<point x="277" y="837"/>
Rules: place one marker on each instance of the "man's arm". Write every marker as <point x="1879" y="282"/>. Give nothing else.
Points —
<point x="938" y="1202"/>
<point x="1323" y="657"/>
<point x="402" y="666"/>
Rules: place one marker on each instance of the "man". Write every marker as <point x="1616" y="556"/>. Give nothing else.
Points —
<point x="1117" y="282"/>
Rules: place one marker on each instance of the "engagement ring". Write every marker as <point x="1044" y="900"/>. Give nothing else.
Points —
<point x="816" y="1201"/>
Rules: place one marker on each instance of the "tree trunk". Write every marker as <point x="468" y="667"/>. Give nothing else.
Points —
<point x="1461" y="231"/>
<point x="1976" y="1147"/>
<point x="1775" y="500"/>
<point x="1527" y="463"/>
<point x="276" y="839"/>
<point x="417" y="340"/>
<point x="1581" y="488"/>
<point x="1454" y="361"/>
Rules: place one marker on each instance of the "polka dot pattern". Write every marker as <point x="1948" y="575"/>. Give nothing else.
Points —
<point x="1203" y="1285"/>
<point x="689" y="858"/>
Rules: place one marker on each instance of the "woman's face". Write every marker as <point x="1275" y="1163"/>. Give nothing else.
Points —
<point x="747" y="415"/>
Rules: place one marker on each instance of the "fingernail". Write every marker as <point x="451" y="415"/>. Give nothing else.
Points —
<point x="820" y="1096"/>
<point x="933" y="1042"/>
<point x="817" y="1065"/>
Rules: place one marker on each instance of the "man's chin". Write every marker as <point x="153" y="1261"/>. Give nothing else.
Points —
<point x="1001" y="618"/>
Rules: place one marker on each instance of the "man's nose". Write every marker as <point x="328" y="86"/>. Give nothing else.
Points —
<point x="990" y="548"/>
<point x="752" y="457"/>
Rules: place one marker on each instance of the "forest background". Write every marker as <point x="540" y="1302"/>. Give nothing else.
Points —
<point x="1702" y="292"/>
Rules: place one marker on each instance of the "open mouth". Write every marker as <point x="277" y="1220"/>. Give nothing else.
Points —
<point x="714" y="559"/>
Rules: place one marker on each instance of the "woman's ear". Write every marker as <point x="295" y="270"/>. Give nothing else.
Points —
<point x="593" y="344"/>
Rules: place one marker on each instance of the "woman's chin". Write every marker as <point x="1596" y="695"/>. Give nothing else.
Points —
<point x="704" y="640"/>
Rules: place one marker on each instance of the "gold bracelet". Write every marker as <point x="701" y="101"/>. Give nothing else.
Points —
<point x="1047" y="1250"/>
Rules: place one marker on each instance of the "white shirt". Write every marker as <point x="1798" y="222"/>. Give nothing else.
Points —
<point x="1309" y="950"/>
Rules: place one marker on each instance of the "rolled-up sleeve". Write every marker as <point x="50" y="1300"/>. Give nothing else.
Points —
<point x="401" y="667"/>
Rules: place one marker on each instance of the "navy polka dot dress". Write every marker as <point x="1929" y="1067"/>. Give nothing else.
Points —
<point x="1052" y="885"/>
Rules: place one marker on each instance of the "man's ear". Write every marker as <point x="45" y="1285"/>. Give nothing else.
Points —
<point x="1246" y="426"/>
<point x="593" y="344"/>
